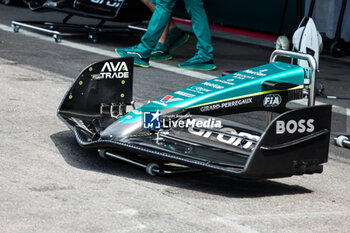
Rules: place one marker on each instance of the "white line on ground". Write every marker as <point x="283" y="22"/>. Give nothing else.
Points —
<point x="237" y="227"/>
<point x="335" y="108"/>
<point x="169" y="68"/>
<point x="108" y="53"/>
<point x="291" y="215"/>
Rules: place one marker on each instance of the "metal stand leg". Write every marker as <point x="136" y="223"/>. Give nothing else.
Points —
<point x="54" y="28"/>
<point x="150" y="167"/>
<point x="283" y="17"/>
<point x="337" y="48"/>
<point x="268" y="118"/>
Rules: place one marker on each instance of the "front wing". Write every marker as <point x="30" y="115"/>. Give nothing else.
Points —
<point x="294" y="143"/>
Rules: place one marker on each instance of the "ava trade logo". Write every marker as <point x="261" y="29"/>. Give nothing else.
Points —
<point x="111" y="70"/>
<point x="151" y="120"/>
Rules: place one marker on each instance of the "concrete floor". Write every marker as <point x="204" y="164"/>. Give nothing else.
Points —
<point x="49" y="184"/>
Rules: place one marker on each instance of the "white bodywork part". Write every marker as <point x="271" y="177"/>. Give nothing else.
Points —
<point x="307" y="40"/>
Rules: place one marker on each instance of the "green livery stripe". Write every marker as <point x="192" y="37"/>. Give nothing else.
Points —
<point x="249" y="95"/>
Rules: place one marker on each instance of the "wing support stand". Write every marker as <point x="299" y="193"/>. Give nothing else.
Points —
<point x="152" y="169"/>
<point x="55" y="29"/>
<point x="311" y="76"/>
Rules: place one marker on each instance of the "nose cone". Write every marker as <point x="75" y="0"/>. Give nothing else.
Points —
<point x="119" y="130"/>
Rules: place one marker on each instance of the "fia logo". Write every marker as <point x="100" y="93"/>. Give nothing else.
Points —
<point x="272" y="100"/>
<point x="111" y="70"/>
<point x="151" y="120"/>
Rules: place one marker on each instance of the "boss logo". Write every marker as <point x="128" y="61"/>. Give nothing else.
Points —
<point x="272" y="100"/>
<point x="293" y="126"/>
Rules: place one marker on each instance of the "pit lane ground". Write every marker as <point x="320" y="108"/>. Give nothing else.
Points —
<point x="49" y="184"/>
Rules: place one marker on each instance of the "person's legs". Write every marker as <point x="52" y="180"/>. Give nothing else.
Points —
<point x="200" y="25"/>
<point x="149" y="40"/>
<point x="176" y="38"/>
<point x="204" y="57"/>
<point x="161" y="51"/>
<point x="157" y="25"/>
<point x="151" y="5"/>
<point x="164" y="36"/>
<point x="171" y="38"/>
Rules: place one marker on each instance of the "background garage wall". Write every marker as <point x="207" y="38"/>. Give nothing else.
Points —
<point x="326" y="14"/>
<point x="255" y="15"/>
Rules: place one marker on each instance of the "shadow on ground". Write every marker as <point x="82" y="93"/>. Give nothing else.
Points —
<point x="202" y="182"/>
